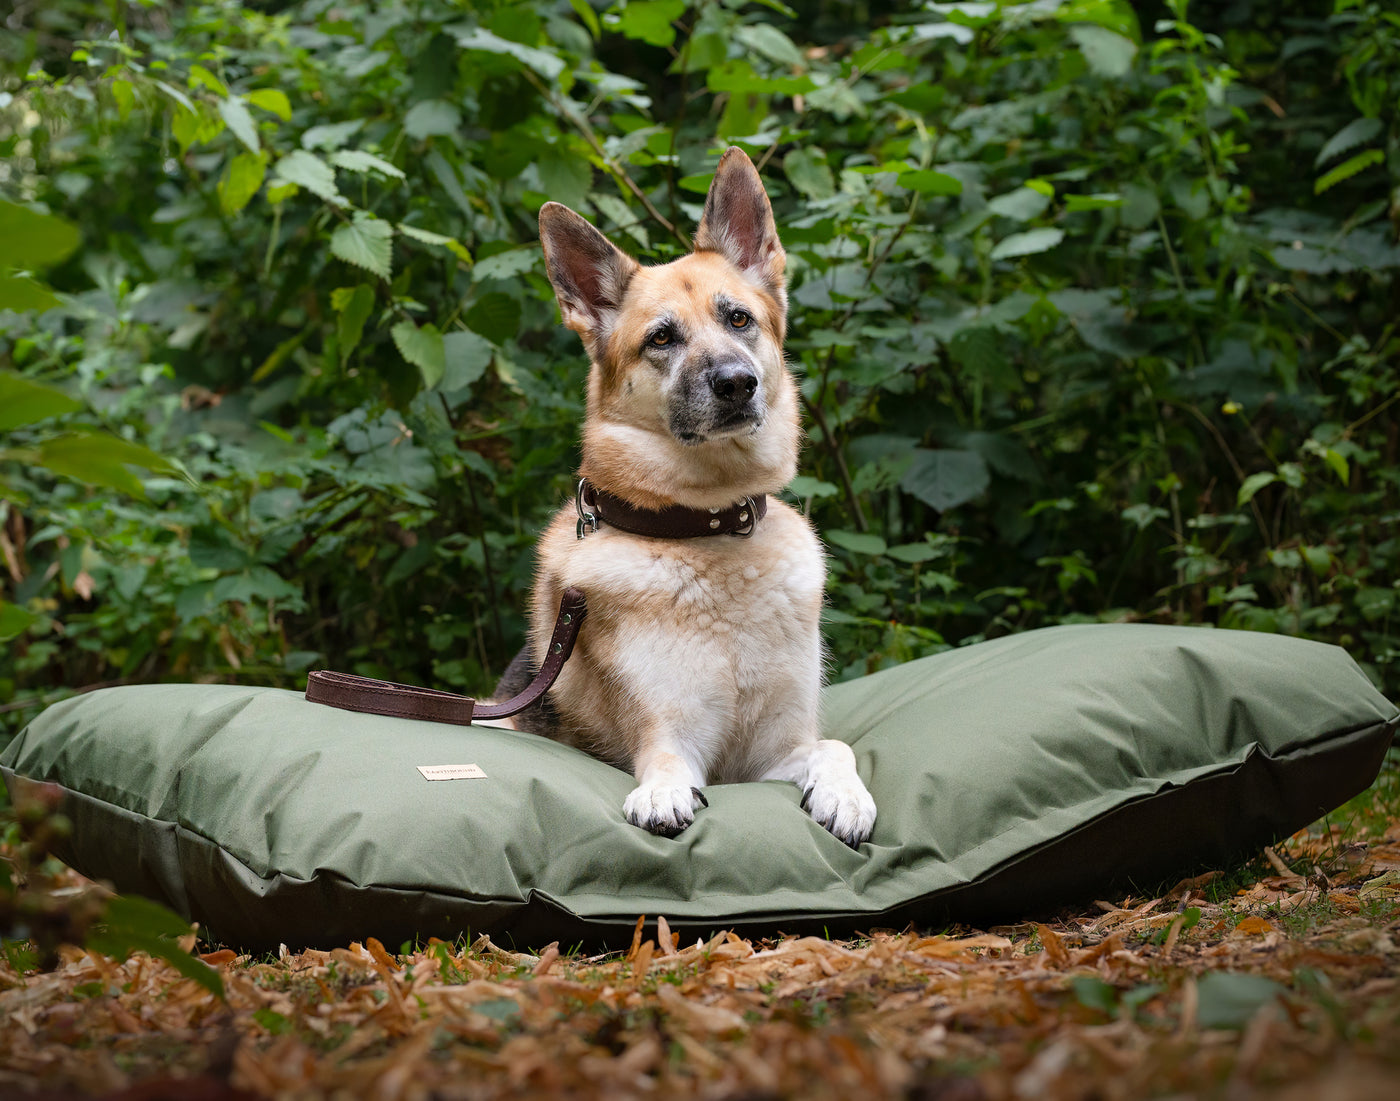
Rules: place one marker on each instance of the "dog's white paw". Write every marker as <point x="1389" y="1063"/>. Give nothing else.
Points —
<point x="835" y="797"/>
<point x="664" y="809"/>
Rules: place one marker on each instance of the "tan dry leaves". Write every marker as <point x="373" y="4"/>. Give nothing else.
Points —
<point x="1105" y="1004"/>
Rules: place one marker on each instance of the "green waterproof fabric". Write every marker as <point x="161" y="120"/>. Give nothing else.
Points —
<point x="1009" y="776"/>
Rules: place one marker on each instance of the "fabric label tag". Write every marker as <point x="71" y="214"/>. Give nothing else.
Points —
<point x="452" y="772"/>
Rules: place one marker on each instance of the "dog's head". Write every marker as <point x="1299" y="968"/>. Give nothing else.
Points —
<point x="689" y="399"/>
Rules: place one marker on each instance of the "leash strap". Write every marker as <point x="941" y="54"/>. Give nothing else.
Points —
<point x="403" y="701"/>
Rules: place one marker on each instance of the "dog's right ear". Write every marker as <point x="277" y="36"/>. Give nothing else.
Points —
<point x="589" y="273"/>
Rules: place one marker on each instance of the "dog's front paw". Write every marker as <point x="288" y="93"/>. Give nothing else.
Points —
<point x="835" y="797"/>
<point x="663" y="808"/>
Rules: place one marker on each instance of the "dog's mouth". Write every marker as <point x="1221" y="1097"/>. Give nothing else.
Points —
<point x="732" y="428"/>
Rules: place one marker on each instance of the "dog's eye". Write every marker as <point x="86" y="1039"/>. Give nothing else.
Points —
<point x="739" y="319"/>
<point x="661" y="339"/>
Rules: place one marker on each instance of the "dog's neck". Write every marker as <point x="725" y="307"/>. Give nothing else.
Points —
<point x="651" y="469"/>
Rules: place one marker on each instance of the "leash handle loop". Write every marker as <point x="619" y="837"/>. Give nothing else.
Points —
<point x="404" y="701"/>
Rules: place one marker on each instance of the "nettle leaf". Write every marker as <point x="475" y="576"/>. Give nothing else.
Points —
<point x="928" y="182"/>
<point x="587" y="16"/>
<point x="432" y="117"/>
<point x="366" y="243"/>
<point x="808" y="171"/>
<point x="241" y="181"/>
<point x="311" y="172"/>
<point x="1357" y="132"/>
<point x="356" y="160"/>
<point x="138" y="925"/>
<point x="1028" y="243"/>
<point x="353" y="305"/>
<point x="34" y="240"/>
<point x="506" y="265"/>
<point x="235" y="113"/>
<point x="466" y="355"/>
<point x="100" y="459"/>
<point x="1107" y="52"/>
<point x="23" y="401"/>
<point x="946" y="477"/>
<point x="1021" y="205"/>
<point x="1347" y="169"/>
<point x="273" y="100"/>
<point x="766" y="39"/>
<point x="1227" y="999"/>
<point x="428" y="237"/>
<point x="14" y="621"/>
<point x="331" y="135"/>
<point x="650" y="20"/>
<point x="19" y="292"/>
<point x="856" y="542"/>
<point x="548" y="65"/>
<point x="423" y="348"/>
<point x="1252" y="485"/>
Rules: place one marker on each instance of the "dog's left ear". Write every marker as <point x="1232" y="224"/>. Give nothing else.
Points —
<point x="738" y="223"/>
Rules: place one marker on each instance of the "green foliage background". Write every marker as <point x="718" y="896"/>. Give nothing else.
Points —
<point x="1094" y="313"/>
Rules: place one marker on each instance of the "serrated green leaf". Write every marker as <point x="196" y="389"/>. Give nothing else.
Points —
<point x="466" y="355"/>
<point x="14" y="621"/>
<point x="803" y="486"/>
<point x="33" y="240"/>
<point x="432" y="117"/>
<point x="423" y="348"/>
<point x="331" y="135"/>
<point x="1021" y="205"/>
<point x="808" y="171"/>
<point x="1101" y="201"/>
<point x="138" y="925"/>
<point x="1028" y="243"/>
<point x="548" y="65"/>
<point x="928" y="182"/>
<point x="506" y="265"/>
<point x="945" y="478"/>
<point x="24" y="401"/>
<point x="241" y="181"/>
<point x="273" y="100"/>
<point x="587" y="16"/>
<point x="1252" y="485"/>
<point x="1347" y="169"/>
<point x="1226" y="999"/>
<point x="353" y="305"/>
<point x="428" y="237"/>
<point x="855" y="541"/>
<point x="125" y="97"/>
<point x="766" y="39"/>
<point x="1108" y="53"/>
<point x="366" y="243"/>
<point x="356" y="160"/>
<point x="97" y="458"/>
<point x="239" y="119"/>
<point x="19" y="292"/>
<point x="650" y="20"/>
<point x="309" y="171"/>
<point x="1357" y="132"/>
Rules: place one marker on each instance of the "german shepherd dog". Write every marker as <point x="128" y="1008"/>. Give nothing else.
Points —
<point x="701" y="659"/>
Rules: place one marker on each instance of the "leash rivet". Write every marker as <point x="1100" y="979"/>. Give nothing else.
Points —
<point x="713" y="511"/>
<point x="568" y="618"/>
<point x="714" y="523"/>
<point x="558" y="647"/>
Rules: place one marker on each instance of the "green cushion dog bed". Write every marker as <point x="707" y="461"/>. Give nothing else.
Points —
<point x="1011" y="775"/>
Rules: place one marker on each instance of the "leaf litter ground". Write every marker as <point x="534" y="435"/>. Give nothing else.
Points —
<point x="1277" y="980"/>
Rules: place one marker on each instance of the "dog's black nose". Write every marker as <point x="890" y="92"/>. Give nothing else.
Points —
<point x="733" y="383"/>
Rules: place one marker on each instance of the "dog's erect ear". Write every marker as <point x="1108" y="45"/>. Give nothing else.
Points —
<point x="590" y="274"/>
<point x="738" y="222"/>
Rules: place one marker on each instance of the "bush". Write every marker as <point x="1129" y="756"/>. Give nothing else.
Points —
<point x="1093" y="320"/>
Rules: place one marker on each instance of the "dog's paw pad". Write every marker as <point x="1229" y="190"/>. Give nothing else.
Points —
<point x="663" y="810"/>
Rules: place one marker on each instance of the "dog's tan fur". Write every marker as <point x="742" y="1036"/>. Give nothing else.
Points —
<point x="700" y="661"/>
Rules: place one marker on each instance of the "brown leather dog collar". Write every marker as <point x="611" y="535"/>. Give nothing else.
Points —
<point x="598" y="506"/>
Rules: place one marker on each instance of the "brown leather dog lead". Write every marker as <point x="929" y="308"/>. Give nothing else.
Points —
<point x="595" y="507"/>
<point x="404" y="701"/>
